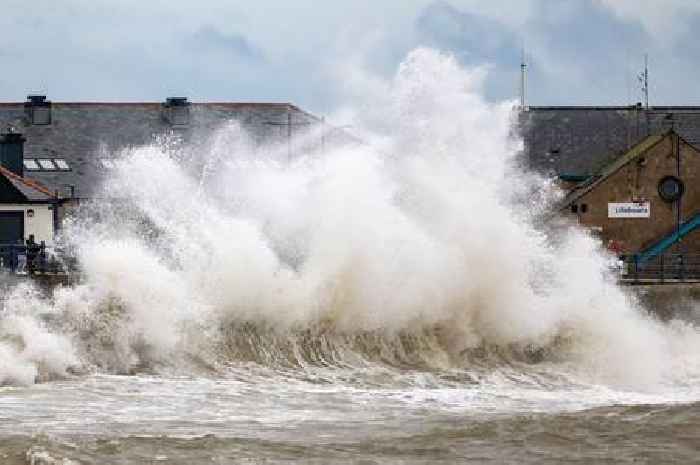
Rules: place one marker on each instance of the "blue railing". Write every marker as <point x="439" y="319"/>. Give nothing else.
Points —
<point x="667" y="241"/>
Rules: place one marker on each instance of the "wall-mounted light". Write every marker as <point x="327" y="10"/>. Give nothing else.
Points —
<point x="30" y="213"/>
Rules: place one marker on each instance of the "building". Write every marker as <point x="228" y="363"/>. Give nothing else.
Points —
<point x="575" y="142"/>
<point x="649" y="193"/>
<point x="633" y="178"/>
<point x="53" y="155"/>
<point x="26" y="207"/>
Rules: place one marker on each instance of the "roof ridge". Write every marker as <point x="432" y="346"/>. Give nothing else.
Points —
<point x="613" y="107"/>
<point x="615" y="165"/>
<point x="27" y="182"/>
<point x="156" y="102"/>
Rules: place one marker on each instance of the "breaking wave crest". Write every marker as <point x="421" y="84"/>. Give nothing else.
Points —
<point x="423" y="249"/>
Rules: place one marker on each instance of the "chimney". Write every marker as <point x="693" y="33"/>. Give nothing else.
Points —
<point x="176" y="111"/>
<point x="12" y="151"/>
<point x="38" y="110"/>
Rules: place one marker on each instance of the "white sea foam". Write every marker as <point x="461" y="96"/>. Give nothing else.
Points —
<point x="29" y="350"/>
<point x="430" y="230"/>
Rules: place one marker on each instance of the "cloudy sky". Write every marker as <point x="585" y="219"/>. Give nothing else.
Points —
<point x="579" y="51"/>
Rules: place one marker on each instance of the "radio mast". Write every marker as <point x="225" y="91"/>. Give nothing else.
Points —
<point x="644" y="81"/>
<point x="523" y="82"/>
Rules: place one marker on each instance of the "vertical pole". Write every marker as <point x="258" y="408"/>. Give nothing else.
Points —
<point x="679" y="205"/>
<point x="289" y="134"/>
<point x="646" y="81"/>
<point x="523" y="72"/>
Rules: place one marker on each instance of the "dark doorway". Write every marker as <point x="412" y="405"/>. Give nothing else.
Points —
<point x="11" y="227"/>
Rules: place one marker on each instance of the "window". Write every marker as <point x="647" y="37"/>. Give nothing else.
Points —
<point x="671" y="188"/>
<point x="31" y="164"/>
<point x="46" y="164"/>
<point x="584" y="207"/>
<point x="61" y="164"/>
<point x="574" y="208"/>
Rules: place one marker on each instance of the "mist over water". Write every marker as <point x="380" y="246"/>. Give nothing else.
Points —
<point x="417" y="260"/>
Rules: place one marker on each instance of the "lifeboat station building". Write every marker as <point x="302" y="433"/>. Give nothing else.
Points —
<point x="632" y="178"/>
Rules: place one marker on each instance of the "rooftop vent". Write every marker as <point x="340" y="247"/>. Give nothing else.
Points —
<point x="176" y="111"/>
<point x="176" y="101"/>
<point x="38" y="109"/>
<point x="36" y="99"/>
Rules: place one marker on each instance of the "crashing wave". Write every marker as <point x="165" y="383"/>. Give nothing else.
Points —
<point x="422" y="249"/>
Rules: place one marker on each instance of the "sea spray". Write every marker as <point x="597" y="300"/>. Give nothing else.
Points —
<point x="422" y="249"/>
<point x="29" y="350"/>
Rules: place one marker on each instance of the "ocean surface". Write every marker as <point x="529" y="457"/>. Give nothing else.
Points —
<point x="287" y="418"/>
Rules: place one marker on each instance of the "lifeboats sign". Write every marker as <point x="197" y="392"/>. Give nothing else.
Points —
<point x="629" y="210"/>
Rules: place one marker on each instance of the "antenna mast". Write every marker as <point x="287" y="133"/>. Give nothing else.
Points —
<point x="644" y="80"/>
<point x="523" y="75"/>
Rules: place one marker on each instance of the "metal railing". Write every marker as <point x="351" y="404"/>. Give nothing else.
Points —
<point x="662" y="268"/>
<point x="30" y="259"/>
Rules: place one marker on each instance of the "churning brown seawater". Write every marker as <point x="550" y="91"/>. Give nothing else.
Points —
<point x="402" y="300"/>
<point x="137" y="420"/>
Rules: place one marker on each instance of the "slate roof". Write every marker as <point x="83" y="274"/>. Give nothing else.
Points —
<point x="31" y="190"/>
<point x="585" y="187"/>
<point x="83" y="133"/>
<point x="575" y="140"/>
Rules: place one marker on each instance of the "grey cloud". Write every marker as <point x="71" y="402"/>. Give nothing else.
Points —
<point x="580" y="51"/>
<point x="583" y="57"/>
<point x="208" y="38"/>
<point x="475" y="40"/>
<point x="478" y="38"/>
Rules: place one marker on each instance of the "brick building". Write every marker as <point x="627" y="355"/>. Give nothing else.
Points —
<point x="647" y="194"/>
<point x="632" y="175"/>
